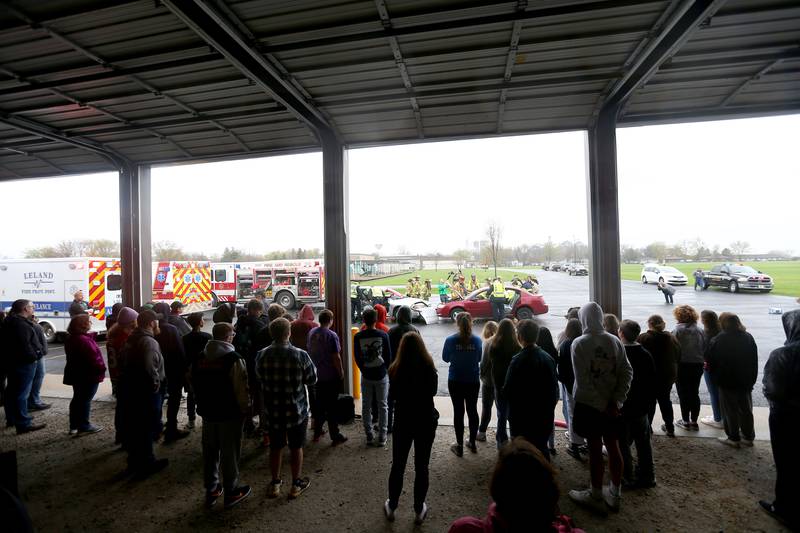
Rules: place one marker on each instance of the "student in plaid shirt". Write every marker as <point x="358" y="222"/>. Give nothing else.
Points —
<point x="284" y="372"/>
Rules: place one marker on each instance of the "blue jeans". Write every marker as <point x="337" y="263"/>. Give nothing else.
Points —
<point x="713" y="395"/>
<point x="502" y="420"/>
<point x="81" y="405"/>
<point x="20" y="379"/>
<point x="36" y="385"/>
<point x="378" y="391"/>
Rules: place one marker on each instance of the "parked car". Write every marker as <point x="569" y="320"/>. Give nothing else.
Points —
<point x="420" y="309"/>
<point x="577" y="270"/>
<point x="737" y="278"/>
<point x="522" y="305"/>
<point x="653" y="273"/>
<point x="555" y="267"/>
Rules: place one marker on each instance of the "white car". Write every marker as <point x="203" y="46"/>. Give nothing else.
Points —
<point x="653" y="273"/>
<point x="420" y="309"/>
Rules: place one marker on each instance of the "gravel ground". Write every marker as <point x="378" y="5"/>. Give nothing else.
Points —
<point x="75" y="484"/>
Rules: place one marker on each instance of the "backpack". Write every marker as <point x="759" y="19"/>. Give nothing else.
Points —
<point x="345" y="411"/>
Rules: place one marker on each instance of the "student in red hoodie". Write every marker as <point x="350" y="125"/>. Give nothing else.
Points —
<point x="381" y="323"/>
<point x="301" y="328"/>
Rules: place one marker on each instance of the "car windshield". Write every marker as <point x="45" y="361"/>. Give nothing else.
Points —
<point x="670" y="270"/>
<point x="743" y="270"/>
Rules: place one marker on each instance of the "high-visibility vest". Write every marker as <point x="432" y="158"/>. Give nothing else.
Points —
<point x="498" y="290"/>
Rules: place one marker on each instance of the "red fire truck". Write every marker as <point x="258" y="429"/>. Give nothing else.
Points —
<point x="287" y="282"/>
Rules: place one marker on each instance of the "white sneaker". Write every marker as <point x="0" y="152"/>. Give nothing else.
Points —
<point x="481" y="436"/>
<point x="585" y="498"/>
<point x="388" y="511"/>
<point x="728" y="442"/>
<point x="420" y="516"/>
<point x="709" y="421"/>
<point x="612" y="500"/>
<point x="746" y="443"/>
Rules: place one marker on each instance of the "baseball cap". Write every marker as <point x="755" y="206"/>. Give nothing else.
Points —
<point x="146" y="317"/>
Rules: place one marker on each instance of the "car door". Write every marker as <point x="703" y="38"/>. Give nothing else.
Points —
<point x="648" y="275"/>
<point x="714" y="277"/>
<point x="478" y="307"/>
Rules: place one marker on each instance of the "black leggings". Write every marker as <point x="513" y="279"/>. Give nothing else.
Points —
<point x="421" y="436"/>
<point x="464" y="394"/>
<point x="688" y="385"/>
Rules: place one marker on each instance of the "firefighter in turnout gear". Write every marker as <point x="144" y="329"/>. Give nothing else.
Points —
<point x="410" y="288"/>
<point x="498" y="299"/>
<point x="473" y="283"/>
<point x="426" y="290"/>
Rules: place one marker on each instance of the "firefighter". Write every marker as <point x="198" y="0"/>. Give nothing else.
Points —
<point x="516" y="282"/>
<point x="426" y="290"/>
<point x="473" y="283"/>
<point x="456" y="292"/>
<point x="417" y="287"/>
<point x="410" y="288"/>
<point x="498" y="299"/>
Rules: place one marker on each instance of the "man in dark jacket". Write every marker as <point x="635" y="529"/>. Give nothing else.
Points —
<point x="23" y="347"/>
<point x="248" y="343"/>
<point x="531" y="389"/>
<point x="219" y="380"/>
<point x="194" y="343"/>
<point x="733" y="363"/>
<point x="140" y="384"/>
<point x="395" y="334"/>
<point x="171" y="344"/>
<point x="782" y="390"/>
<point x="635" y="426"/>
<point x="176" y="319"/>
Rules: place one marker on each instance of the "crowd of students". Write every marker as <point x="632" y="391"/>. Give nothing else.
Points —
<point x="280" y="372"/>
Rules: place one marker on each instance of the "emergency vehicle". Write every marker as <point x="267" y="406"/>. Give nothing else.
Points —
<point x="289" y="282"/>
<point x="186" y="281"/>
<point x="52" y="283"/>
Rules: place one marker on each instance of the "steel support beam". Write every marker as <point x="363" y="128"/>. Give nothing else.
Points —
<point x="134" y="229"/>
<point x="337" y="273"/>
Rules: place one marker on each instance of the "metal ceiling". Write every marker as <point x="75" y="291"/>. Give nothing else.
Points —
<point x="86" y="84"/>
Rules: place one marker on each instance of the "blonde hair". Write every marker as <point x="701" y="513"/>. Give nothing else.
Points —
<point x="489" y="330"/>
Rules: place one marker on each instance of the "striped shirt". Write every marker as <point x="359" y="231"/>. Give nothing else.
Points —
<point x="284" y="372"/>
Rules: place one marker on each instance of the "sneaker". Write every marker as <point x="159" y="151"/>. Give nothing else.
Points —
<point x="40" y="407"/>
<point x="709" y="421"/>
<point x="89" y="430"/>
<point x="388" y="511"/>
<point x="318" y="436"/>
<point x="683" y="424"/>
<point x="299" y="487"/>
<point x="585" y="498"/>
<point x="770" y="509"/>
<point x="420" y="516"/>
<point x="744" y="443"/>
<point x="370" y="439"/>
<point x="380" y="443"/>
<point x="31" y="428"/>
<point x="552" y="451"/>
<point x="213" y="495"/>
<point x="728" y="442"/>
<point x="176" y="434"/>
<point x="458" y="450"/>
<point x="612" y="500"/>
<point x="694" y="426"/>
<point x="274" y="488"/>
<point x="75" y="432"/>
<point x="190" y="424"/>
<point x="238" y="495"/>
<point x="574" y="451"/>
<point x="670" y="432"/>
<point x="338" y="439"/>
<point x="481" y="436"/>
<point x="472" y="447"/>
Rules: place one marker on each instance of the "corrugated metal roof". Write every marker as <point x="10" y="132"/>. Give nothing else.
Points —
<point x="130" y="76"/>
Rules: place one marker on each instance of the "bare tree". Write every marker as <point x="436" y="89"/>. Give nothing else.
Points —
<point x="493" y="232"/>
<point x="739" y="248"/>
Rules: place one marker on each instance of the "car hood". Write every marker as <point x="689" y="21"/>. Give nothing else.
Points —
<point x="742" y="275"/>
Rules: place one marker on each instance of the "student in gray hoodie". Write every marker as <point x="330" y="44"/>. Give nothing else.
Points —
<point x="219" y="381"/>
<point x="690" y="368"/>
<point x="602" y="378"/>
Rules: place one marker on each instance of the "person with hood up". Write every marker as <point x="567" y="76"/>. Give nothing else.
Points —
<point x="84" y="371"/>
<point x="602" y="378"/>
<point x="733" y="363"/>
<point x="782" y="390"/>
<point x="219" y="381"/>
<point x="396" y="333"/>
<point x="171" y="344"/>
<point x="302" y="325"/>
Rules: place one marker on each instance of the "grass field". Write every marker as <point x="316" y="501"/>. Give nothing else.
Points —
<point x="785" y="274"/>
<point x="436" y="275"/>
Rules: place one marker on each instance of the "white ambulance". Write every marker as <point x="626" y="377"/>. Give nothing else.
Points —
<point x="51" y="284"/>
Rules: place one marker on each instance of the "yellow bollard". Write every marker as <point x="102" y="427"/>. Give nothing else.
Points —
<point x="356" y="371"/>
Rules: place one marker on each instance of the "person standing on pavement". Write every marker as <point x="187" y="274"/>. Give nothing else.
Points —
<point x="84" y="371"/>
<point x="698" y="279"/>
<point x="140" y="384"/>
<point x="443" y="287"/>
<point x="396" y="333"/>
<point x="566" y="375"/>
<point x="372" y="353"/>
<point x="219" y="380"/>
<point x="503" y="348"/>
<point x="171" y="344"/>
<point x="463" y="351"/>
<point x="325" y="351"/>
<point x="690" y="369"/>
<point x="497" y="296"/>
<point x="175" y="318"/>
<point x="116" y="338"/>
<point x="782" y="391"/>
<point x="78" y="305"/>
<point x="531" y="390"/>
<point x="194" y="343"/>
<point x="248" y="344"/>
<point x="414" y="382"/>
<point x="602" y="379"/>
<point x="666" y="353"/>
<point x="487" y="385"/>
<point x="635" y="428"/>
<point x="711" y="328"/>
<point x="285" y="371"/>
<point x="24" y="348"/>
<point x="35" y="402"/>
<point x="733" y="362"/>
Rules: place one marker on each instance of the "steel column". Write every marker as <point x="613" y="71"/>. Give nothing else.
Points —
<point x="602" y="195"/>
<point x="134" y="228"/>
<point x="337" y="254"/>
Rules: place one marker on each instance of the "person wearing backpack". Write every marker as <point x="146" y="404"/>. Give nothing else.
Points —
<point x="247" y="344"/>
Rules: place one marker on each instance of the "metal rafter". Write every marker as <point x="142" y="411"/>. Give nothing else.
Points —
<point x="217" y="31"/>
<point x="34" y="156"/>
<point x="105" y="64"/>
<point x="755" y="77"/>
<point x="386" y="21"/>
<point x="511" y="60"/>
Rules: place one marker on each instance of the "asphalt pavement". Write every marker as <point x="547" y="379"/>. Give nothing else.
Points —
<point x="562" y="291"/>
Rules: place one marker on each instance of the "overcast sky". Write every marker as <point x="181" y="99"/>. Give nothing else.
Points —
<point x="719" y="181"/>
